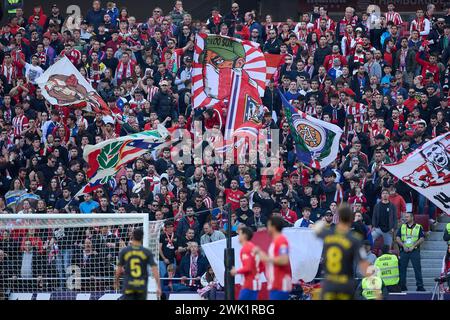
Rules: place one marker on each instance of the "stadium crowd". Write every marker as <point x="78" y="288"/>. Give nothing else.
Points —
<point x="383" y="81"/>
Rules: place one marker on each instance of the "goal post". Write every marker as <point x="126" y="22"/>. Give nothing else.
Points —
<point x="66" y="256"/>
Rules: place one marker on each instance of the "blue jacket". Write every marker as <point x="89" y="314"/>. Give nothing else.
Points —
<point x="95" y="18"/>
<point x="202" y="265"/>
<point x="88" y="207"/>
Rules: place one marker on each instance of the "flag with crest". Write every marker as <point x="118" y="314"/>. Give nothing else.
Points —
<point x="316" y="141"/>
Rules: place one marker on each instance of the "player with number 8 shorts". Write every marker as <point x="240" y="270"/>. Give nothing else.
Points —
<point x="341" y="248"/>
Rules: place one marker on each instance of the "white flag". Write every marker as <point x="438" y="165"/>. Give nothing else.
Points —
<point x="62" y="84"/>
<point x="305" y="251"/>
<point x="427" y="170"/>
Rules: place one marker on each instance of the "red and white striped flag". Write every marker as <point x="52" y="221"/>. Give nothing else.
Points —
<point x="273" y="62"/>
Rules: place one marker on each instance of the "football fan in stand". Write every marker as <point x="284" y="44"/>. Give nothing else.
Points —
<point x="133" y="262"/>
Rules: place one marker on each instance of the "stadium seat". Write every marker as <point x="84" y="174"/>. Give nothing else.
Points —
<point x="377" y="246"/>
<point x="423" y="220"/>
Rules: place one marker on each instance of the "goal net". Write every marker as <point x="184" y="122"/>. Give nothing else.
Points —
<point x="66" y="256"/>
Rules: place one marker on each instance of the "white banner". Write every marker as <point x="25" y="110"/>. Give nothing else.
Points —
<point x="305" y="251"/>
<point x="62" y="84"/>
<point x="427" y="170"/>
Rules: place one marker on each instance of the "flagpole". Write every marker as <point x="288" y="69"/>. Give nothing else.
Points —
<point x="70" y="201"/>
<point x="229" y="258"/>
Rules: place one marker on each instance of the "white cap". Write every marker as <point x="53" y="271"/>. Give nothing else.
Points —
<point x="108" y="119"/>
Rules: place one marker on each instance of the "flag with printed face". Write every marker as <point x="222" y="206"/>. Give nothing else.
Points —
<point x="107" y="157"/>
<point x="63" y="85"/>
<point x="427" y="170"/>
<point x="316" y="141"/>
<point x="216" y="61"/>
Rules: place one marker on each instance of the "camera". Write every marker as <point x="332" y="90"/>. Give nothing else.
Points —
<point x="441" y="279"/>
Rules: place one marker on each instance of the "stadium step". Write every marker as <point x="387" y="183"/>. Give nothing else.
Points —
<point x="432" y="254"/>
<point x="428" y="284"/>
<point x="444" y="218"/>
<point x="427" y="271"/>
<point x="434" y="245"/>
<point x="440" y="226"/>
<point x="435" y="236"/>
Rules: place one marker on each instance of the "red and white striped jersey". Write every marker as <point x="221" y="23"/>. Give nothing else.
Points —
<point x="348" y="45"/>
<point x="279" y="277"/>
<point x="151" y="91"/>
<point x="394" y="17"/>
<point x="251" y="267"/>
<point x="358" y="111"/>
<point x="74" y="56"/>
<point x="384" y="132"/>
<point x="208" y="202"/>
<point x="137" y="104"/>
<point x="310" y="110"/>
<point x="19" y="123"/>
<point x="9" y="72"/>
<point x="422" y="25"/>
<point x="302" y="35"/>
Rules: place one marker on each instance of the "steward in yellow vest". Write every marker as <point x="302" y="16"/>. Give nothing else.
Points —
<point x="447" y="233"/>
<point x="372" y="287"/>
<point x="387" y="265"/>
<point x="409" y="238"/>
<point x="12" y="5"/>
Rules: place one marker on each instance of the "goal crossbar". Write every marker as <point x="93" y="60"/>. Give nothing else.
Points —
<point x="55" y="220"/>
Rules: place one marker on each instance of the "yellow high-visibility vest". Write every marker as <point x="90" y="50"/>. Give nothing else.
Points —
<point x="448" y="231"/>
<point x="410" y="237"/>
<point x="13" y="2"/>
<point x="388" y="266"/>
<point x="371" y="287"/>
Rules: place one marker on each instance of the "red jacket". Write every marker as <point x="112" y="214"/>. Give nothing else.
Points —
<point x="399" y="203"/>
<point x="244" y="34"/>
<point x="42" y="17"/>
<point x="289" y="215"/>
<point x="428" y="67"/>
<point x="328" y="62"/>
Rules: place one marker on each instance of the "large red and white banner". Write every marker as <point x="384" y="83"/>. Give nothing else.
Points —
<point x="427" y="170"/>
<point x="217" y="62"/>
